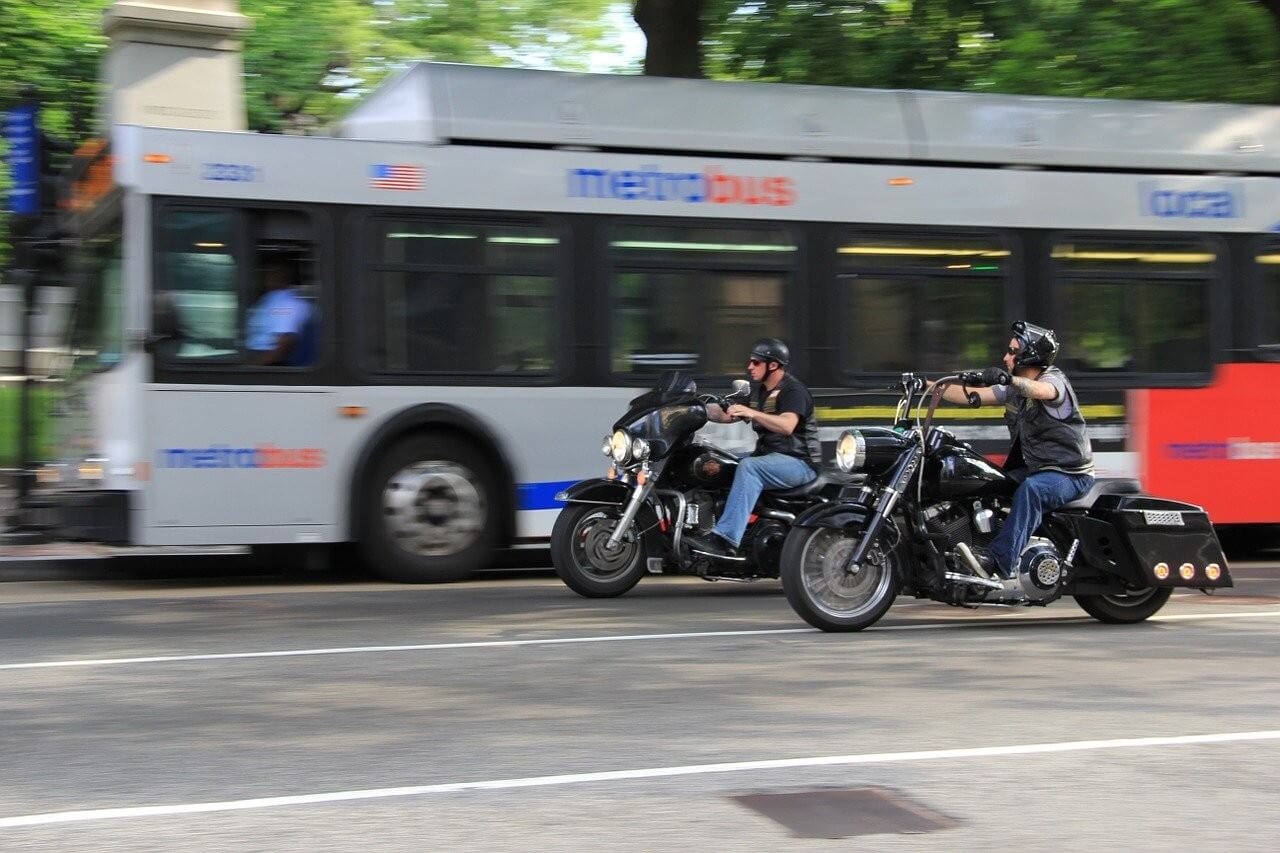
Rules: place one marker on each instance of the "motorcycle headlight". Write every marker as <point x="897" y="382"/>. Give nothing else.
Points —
<point x="607" y="447"/>
<point x="851" y="451"/>
<point x="620" y="446"/>
<point x="639" y="449"/>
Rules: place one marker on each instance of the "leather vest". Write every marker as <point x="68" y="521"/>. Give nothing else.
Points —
<point x="1042" y="442"/>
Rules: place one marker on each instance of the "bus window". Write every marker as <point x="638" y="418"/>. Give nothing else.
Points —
<point x="694" y="298"/>
<point x="1134" y="306"/>
<point x="197" y="276"/>
<point x="462" y="298"/>
<point x="1268" y="301"/>
<point x="918" y="302"/>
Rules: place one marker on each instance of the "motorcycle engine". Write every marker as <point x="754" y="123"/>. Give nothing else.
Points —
<point x="1039" y="569"/>
<point x="763" y="543"/>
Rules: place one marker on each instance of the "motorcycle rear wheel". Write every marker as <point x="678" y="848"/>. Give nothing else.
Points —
<point x="823" y="594"/>
<point x="1135" y="606"/>
<point x="581" y="560"/>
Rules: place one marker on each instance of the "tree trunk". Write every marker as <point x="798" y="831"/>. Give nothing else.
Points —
<point x="673" y="33"/>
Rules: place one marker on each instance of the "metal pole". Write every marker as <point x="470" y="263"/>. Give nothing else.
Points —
<point x="25" y="464"/>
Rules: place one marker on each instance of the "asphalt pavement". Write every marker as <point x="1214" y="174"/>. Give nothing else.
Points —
<point x="510" y="714"/>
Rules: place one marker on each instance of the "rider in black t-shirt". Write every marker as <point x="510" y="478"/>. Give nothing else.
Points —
<point x="787" y="451"/>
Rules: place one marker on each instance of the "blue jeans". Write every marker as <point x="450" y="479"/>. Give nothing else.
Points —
<point x="1038" y="493"/>
<point x="754" y="475"/>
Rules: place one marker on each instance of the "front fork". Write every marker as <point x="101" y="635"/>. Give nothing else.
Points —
<point x="899" y="480"/>
<point x="645" y="481"/>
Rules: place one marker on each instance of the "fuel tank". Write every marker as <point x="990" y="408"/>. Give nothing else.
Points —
<point x="955" y="471"/>
<point x="702" y="466"/>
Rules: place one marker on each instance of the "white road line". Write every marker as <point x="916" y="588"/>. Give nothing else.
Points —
<point x="134" y="812"/>
<point x="558" y="641"/>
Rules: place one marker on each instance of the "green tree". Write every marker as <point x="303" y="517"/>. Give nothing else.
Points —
<point x="1220" y="50"/>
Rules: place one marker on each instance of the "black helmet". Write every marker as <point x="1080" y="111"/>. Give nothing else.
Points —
<point x="771" y="349"/>
<point x="1039" y="345"/>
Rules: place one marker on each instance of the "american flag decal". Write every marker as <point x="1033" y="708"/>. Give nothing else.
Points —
<point x="385" y="176"/>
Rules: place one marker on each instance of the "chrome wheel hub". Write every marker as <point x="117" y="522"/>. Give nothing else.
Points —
<point x="591" y="551"/>
<point x="434" y="509"/>
<point x="835" y="591"/>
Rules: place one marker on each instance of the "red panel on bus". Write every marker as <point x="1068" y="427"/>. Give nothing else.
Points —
<point x="1218" y="447"/>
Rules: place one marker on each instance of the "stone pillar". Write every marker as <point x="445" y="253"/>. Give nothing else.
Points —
<point x="174" y="63"/>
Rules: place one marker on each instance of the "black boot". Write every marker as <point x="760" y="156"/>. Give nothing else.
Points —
<point x="711" y="545"/>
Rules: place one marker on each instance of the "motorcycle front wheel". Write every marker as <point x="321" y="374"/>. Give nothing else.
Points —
<point x="823" y="593"/>
<point x="1125" y="609"/>
<point x="582" y="557"/>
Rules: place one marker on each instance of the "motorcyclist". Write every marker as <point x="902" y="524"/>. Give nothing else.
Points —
<point x="787" y="452"/>
<point x="1050" y="456"/>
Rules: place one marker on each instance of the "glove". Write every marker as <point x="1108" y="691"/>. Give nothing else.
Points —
<point x="996" y="376"/>
<point x="971" y="378"/>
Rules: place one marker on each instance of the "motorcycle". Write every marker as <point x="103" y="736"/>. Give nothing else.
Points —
<point x="662" y="483"/>
<point x="930" y="507"/>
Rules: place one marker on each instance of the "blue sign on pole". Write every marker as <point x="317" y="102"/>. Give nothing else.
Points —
<point x="21" y="136"/>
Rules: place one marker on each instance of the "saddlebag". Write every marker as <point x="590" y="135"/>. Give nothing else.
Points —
<point x="1153" y="541"/>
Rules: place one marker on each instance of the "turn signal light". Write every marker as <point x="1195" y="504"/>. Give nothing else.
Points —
<point x="156" y="158"/>
<point x="1161" y="571"/>
<point x="611" y="474"/>
<point x="1187" y="571"/>
<point x="1213" y="571"/>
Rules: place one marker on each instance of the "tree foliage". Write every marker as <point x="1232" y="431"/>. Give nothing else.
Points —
<point x="1225" y="50"/>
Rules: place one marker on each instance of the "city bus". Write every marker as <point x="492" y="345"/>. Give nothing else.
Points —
<point x="494" y="261"/>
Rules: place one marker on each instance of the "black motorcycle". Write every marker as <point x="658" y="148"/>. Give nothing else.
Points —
<point x="929" y="508"/>
<point x="662" y="484"/>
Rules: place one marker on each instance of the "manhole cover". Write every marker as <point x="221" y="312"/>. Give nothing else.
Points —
<point x="832" y="813"/>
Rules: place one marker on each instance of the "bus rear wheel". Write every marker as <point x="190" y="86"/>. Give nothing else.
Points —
<point x="430" y="511"/>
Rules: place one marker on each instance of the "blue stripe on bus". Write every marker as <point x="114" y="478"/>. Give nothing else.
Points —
<point x="542" y="495"/>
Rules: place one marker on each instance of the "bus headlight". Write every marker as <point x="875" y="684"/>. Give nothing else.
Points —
<point x="620" y="446"/>
<point x="851" y="451"/>
<point x="639" y="449"/>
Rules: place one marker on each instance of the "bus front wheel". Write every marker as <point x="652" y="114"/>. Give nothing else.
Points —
<point x="430" y="511"/>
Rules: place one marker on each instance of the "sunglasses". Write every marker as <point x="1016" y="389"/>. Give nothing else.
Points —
<point x="754" y="362"/>
<point x="1013" y="350"/>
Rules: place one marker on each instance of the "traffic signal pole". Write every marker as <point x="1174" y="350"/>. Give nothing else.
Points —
<point x="22" y="134"/>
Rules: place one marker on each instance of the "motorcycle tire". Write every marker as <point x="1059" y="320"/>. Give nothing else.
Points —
<point x="574" y="540"/>
<point x="1124" y="610"/>
<point x="859" y="603"/>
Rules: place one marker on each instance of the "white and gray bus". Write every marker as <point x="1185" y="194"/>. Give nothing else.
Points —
<point x="495" y="261"/>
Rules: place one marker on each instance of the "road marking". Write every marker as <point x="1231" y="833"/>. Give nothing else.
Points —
<point x="134" y="812"/>
<point x="620" y="638"/>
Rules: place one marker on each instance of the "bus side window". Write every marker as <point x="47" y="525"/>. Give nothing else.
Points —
<point x="282" y="320"/>
<point x="1267" y="336"/>
<point x="1134" y="305"/>
<point x="281" y="325"/>
<point x="196" y="290"/>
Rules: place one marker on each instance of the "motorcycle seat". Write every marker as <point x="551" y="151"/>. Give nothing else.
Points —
<point x="814" y="486"/>
<point x="1106" y="486"/>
